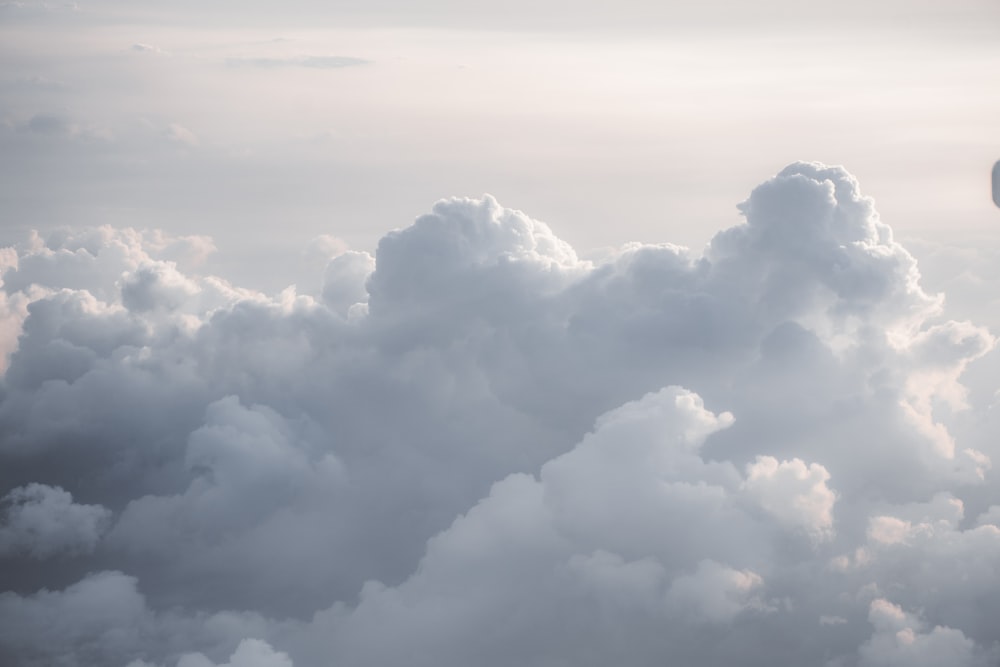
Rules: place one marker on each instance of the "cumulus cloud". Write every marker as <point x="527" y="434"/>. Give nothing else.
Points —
<point x="44" y="521"/>
<point x="794" y="493"/>
<point x="90" y="619"/>
<point x="475" y="447"/>
<point x="900" y="638"/>
<point x="250" y="653"/>
<point x="344" y="280"/>
<point x="156" y="285"/>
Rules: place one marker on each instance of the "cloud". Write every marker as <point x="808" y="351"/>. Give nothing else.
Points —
<point x="250" y="653"/>
<point x="794" y="493"/>
<point x="44" y="521"/>
<point x="313" y="62"/>
<point x="899" y="639"/>
<point x="140" y="47"/>
<point x="492" y="451"/>
<point x="104" y="619"/>
<point x="47" y="126"/>
<point x="34" y="9"/>
<point x="344" y="280"/>
<point x="181" y="135"/>
<point x="101" y="613"/>
<point x="50" y="125"/>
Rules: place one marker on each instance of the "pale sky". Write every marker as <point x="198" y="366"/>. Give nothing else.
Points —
<point x="647" y="122"/>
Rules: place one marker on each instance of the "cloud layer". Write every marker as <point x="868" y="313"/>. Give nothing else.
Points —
<point x="476" y="447"/>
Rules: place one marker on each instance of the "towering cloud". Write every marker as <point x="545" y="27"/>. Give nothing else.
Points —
<point x="476" y="447"/>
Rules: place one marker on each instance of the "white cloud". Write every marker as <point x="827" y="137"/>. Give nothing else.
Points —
<point x="796" y="494"/>
<point x="156" y="285"/>
<point x="344" y="280"/>
<point x="721" y="457"/>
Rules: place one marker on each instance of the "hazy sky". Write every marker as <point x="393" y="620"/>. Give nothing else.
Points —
<point x="590" y="359"/>
<point x="616" y="125"/>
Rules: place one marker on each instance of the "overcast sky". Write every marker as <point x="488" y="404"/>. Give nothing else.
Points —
<point x="536" y="333"/>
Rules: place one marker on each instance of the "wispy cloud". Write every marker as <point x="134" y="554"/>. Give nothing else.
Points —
<point x="317" y="62"/>
<point x="140" y="47"/>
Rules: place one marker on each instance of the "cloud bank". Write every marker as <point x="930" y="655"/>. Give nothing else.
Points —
<point x="476" y="447"/>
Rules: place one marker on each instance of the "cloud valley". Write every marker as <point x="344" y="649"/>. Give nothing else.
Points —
<point x="476" y="447"/>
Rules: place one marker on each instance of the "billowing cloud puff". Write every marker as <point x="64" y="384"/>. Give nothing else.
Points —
<point x="43" y="521"/>
<point x="475" y="447"/>
<point x="250" y="653"/>
<point x="900" y="639"/>
<point x="605" y="528"/>
<point x="104" y="619"/>
<point x="344" y="280"/>
<point x="89" y="621"/>
<point x="794" y="493"/>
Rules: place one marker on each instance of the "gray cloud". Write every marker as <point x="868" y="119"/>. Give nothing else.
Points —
<point x="49" y="124"/>
<point x="43" y="521"/>
<point x="902" y="638"/>
<point x="477" y="447"/>
<point x="94" y="618"/>
<point x="250" y="653"/>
